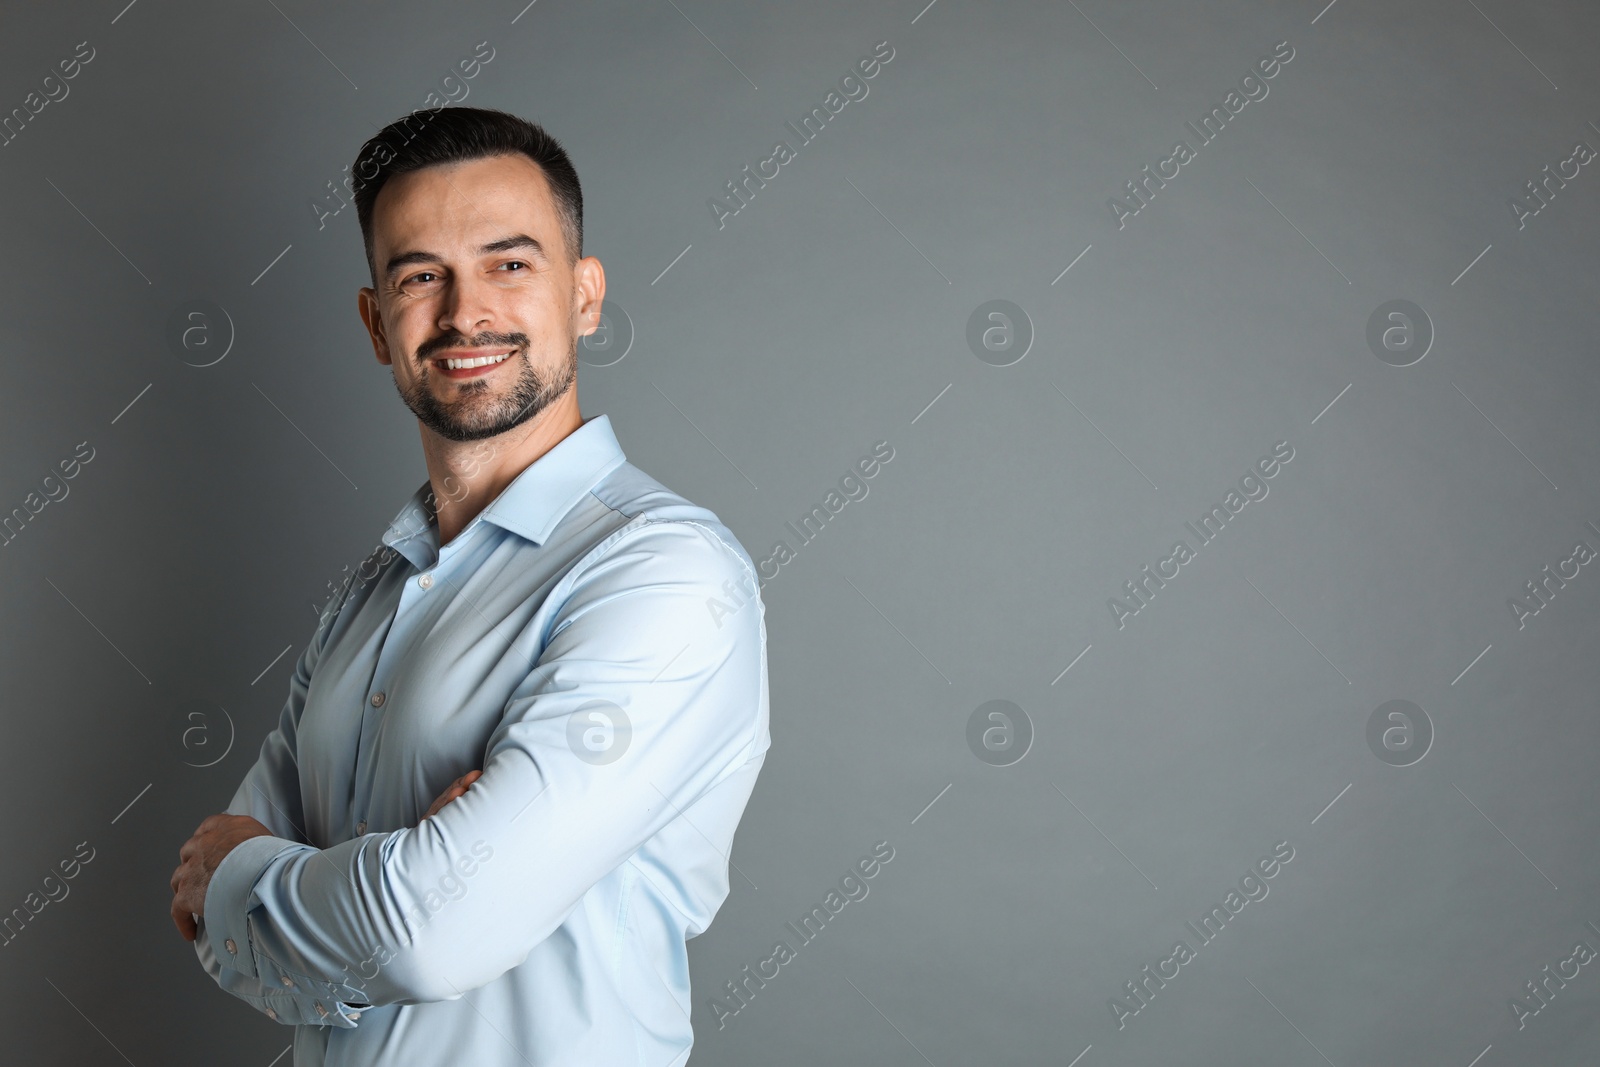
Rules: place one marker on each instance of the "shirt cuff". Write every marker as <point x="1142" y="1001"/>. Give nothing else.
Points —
<point x="231" y="895"/>
<point x="286" y="1006"/>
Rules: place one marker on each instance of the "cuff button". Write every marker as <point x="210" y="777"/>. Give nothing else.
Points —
<point x="231" y="946"/>
<point x="272" y="1015"/>
<point x="286" y="980"/>
<point x="321" y="1011"/>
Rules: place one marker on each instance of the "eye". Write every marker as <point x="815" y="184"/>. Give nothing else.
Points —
<point x="514" y="263"/>
<point x="420" y="275"/>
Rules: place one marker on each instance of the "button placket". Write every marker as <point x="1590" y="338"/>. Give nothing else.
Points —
<point x="405" y="597"/>
<point x="376" y="700"/>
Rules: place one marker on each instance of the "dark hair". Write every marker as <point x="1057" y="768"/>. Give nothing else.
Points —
<point x="429" y="137"/>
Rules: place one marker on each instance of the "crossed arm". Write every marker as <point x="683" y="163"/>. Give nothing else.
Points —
<point x="219" y="835"/>
<point x="284" y="924"/>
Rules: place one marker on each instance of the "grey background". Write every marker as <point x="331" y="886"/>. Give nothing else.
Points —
<point x="831" y="313"/>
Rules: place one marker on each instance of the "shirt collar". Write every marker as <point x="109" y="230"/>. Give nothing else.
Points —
<point x="538" y="498"/>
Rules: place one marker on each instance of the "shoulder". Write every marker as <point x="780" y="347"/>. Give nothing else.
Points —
<point x="650" y="517"/>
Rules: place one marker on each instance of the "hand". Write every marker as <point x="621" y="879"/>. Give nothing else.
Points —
<point x="202" y="854"/>
<point x="453" y="790"/>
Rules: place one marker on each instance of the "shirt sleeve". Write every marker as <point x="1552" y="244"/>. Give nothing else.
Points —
<point x="295" y="1002"/>
<point x="642" y="700"/>
<point x="270" y="792"/>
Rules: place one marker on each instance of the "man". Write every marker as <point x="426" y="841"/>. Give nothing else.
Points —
<point x="502" y="792"/>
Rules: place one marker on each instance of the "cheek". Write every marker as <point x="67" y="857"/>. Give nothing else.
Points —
<point x="551" y="333"/>
<point x="408" y="328"/>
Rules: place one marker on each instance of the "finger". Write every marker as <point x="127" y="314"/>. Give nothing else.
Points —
<point x="184" y="922"/>
<point x="444" y="798"/>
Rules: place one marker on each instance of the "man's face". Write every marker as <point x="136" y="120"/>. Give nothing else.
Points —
<point x="471" y="263"/>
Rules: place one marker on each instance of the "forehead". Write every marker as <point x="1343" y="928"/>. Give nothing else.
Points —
<point x="452" y="206"/>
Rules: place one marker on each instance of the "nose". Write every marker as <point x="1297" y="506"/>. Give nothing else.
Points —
<point x="468" y="307"/>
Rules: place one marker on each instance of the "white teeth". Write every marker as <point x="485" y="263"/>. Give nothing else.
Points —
<point x="481" y="361"/>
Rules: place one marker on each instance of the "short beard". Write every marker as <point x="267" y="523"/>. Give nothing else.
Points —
<point x="531" y="395"/>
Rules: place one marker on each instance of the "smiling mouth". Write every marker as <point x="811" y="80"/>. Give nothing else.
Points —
<point x="469" y="363"/>
<point x="468" y="367"/>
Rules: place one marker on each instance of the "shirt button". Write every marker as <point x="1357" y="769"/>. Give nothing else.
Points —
<point x="377" y="700"/>
<point x="286" y="980"/>
<point x="272" y="1015"/>
<point x="321" y="1011"/>
<point x="426" y="581"/>
<point x="231" y="946"/>
<point x="361" y="827"/>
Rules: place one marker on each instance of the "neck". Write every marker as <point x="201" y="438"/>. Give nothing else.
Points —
<point x="466" y="476"/>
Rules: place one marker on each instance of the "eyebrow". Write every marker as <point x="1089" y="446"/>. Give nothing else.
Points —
<point x="505" y="244"/>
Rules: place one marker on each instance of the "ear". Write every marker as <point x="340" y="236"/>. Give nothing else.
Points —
<point x="367" y="307"/>
<point x="589" y="293"/>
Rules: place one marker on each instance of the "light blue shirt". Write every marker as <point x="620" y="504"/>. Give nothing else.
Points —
<point x="596" y="645"/>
